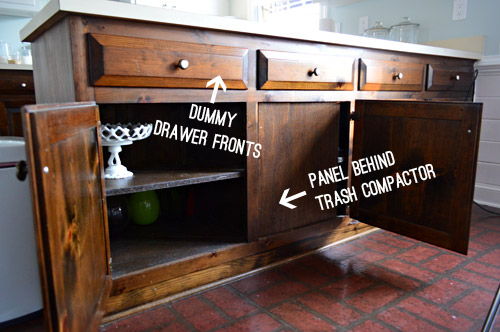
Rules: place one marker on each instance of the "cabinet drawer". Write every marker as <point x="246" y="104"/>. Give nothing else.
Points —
<point x="446" y="78"/>
<point x="144" y="62"/>
<point x="380" y="75"/>
<point x="299" y="71"/>
<point x="16" y="82"/>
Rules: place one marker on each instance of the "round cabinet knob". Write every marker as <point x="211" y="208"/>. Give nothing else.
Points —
<point x="23" y="85"/>
<point x="183" y="64"/>
<point x="398" y="76"/>
<point x="21" y="170"/>
<point x="314" y="72"/>
<point x="457" y="78"/>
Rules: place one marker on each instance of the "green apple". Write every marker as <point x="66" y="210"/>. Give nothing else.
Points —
<point x="144" y="207"/>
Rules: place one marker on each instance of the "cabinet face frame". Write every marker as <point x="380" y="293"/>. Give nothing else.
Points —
<point x="456" y="129"/>
<point x="69" y="213"/>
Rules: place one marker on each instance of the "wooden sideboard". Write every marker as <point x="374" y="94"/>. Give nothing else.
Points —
<point x="311" y="105"/>
<point x="16" y="90"/>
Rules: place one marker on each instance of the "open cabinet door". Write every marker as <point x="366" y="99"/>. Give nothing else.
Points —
<point x="65" y="168"/>
<point x="445" y="135"/>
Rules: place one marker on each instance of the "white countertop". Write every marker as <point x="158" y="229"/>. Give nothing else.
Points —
<point x="56" y="9"/>
<point x="10" y="66"/>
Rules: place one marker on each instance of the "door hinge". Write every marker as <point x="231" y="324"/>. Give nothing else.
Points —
<point x="354" y="116"/>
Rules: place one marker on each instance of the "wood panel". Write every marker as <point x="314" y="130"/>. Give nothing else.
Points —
<point x="70" y="213"/>
<point x="299" y="71"/>
<point x="380" y="75"/>
<point x="444" y="135"/>
<point x="145" y="62"/>
<point x="296" y="138"/>
<point x="4" y="128"/>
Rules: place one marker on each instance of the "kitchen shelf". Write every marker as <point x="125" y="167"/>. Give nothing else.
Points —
<point x="154" y="180"/>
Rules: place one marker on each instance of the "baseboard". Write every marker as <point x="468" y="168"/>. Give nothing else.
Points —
<point x="487" y="195"/>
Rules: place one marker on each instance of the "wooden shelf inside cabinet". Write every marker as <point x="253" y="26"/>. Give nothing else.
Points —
<point x="154" y="180"/>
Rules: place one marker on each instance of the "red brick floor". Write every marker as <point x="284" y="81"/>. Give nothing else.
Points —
<point x="378" y="282"/>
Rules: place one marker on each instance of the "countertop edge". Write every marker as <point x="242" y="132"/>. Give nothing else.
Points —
<point x="56" y="9"/>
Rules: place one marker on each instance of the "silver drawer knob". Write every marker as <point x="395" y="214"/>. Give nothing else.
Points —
<point x="314" y="72"/>
<point x="457" y="78"/>
<point x="23" y="85"/>
<point x="398" y="76"/>
<point x="183" y="64"/>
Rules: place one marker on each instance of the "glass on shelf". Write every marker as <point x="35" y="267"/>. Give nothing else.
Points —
<point x="377" y="31"/>
<point x="4" y="52"/>
<point x="405" y="31"/>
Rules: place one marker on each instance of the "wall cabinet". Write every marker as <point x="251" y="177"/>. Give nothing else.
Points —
<point x="305" y="123"/>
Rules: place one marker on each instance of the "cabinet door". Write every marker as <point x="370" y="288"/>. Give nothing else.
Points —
<point x="444" y="135"/>
<point x="65" y="170"/>
<point x="296" y="138"/>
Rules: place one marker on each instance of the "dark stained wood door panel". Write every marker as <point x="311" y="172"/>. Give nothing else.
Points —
<point x="65" y="168"/>
<point x="445" y="135"/>
<point x="144" y="62"/>
<point x="296" y="138"/>
<point x="382" y="75"/>
<point x="300" y="71"/>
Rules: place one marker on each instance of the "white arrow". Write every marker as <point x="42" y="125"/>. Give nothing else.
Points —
<point x="285" y="200"/>
<point x="216" y="81"/>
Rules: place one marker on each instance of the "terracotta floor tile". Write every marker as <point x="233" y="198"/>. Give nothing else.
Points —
<point x="443" y="291"/>
<point x="491" y="238"/>
<point x="366" y="242"/>
<point x="377" y="274"/>
<point x="254" y="283"/>
<point x="374" y="298"/>
<point x="198" y="313"/>
<point x="475" y="304"/>
<point x="492" y="272"/>
<point x="478" y="246"/>
<point x="231" y="304"/>
<point x="303" y="320"/>
<point x="476" y="279"/>
<point x="327" y="267"/>
<point x="491" y="224"/>
<point x="395" y="241"/>
<point x="257" y="323"/>
<point x="443" y="263"/>
<point x="305" y="274"/>
<point x="418" y="254"/>
<point x="405" y="322"/>
<point x="144" y="321"/>
<point x="493" y="258"/>
<point x="278" y="293"/>
<point x="408" y="270"/>
<point x="435" y="314"/>
<point x="475" y="230"/>
<point x="347" y="286"/>
<point x="368" y="256"/>
<point x="340" y="252"/>
<point x="330" y="308"/>
<point x="392" y="278"/>
<point x="370" y="326"/>
<point x="174" y="327"/>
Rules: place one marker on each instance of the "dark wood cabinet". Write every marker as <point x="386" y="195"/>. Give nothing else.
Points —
<point x="436" y="145"/>
<point x="71" y="225"/>
<point x="16" y="89"/>
<point x="305" y="122"/>
<point x="298" y="138"/>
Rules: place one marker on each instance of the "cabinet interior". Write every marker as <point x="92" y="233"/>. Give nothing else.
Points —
<point x="201" y="190"/>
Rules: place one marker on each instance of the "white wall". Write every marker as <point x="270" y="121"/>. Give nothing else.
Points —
<point x="9" y="30"/>
<point x="488" y="168"/>
<point x="433" y="15"/>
